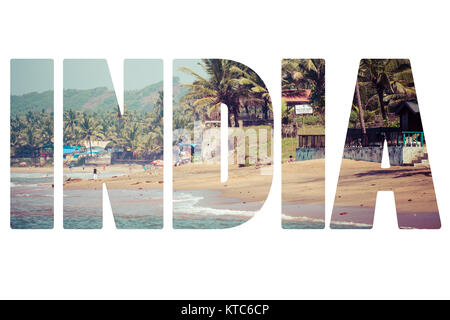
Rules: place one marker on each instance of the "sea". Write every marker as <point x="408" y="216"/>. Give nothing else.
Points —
<point x="32" y="208"/>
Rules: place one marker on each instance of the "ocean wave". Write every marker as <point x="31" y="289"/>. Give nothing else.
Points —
<point x="301" y="219"/>
<point x="31" y="175"/>
<point x="189" y="204"/>
<point x="18" y="185"/>
<point x="337" y="223"/>
<point x="352" y="224"/>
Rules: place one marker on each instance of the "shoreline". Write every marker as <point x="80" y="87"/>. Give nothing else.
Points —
<point x="303" y="182"/>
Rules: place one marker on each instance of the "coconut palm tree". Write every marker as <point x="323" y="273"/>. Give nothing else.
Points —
<point x="222" y="86"/>
<point x="257" y="94"/>
<point x="360" y="109"/>
<point x="154" y="141"/>
<point x="30" y="141"/>
<point x="70" y="125"/>
<point x="306" y="74"/>
<point x="386" y="81"/>
<point x="132" y="136"/>
<point x="90" y="129"/>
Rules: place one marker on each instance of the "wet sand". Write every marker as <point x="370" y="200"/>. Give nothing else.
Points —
<point x="359" y="182"/>
<point x="303" y="187"/>
<point x="303" y="182"/>
<point x="248" y="184"/>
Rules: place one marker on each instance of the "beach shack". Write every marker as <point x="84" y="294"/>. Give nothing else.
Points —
<point x="311" y="144"/>
<point x="410" y="123"/>
<point x="296" y="97"/>
<point x="69" y="152"/>
<point x="300" y="100"/>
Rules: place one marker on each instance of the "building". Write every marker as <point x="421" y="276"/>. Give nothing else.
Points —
<point x="294" y="97"/>
<point x="409" y="116"/>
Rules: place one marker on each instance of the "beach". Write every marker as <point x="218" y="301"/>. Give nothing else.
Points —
<point x="359" y="181"/>
<point x="200" y="196"/>
<point x="200" y="200"/>
<point x="302" y="181"/>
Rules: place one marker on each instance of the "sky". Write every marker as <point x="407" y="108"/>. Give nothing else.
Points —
<point x="36" y="75"/>
<point x="31" y="75"/>
<point x="192" y="64"/>
<point x="94" y="73"/>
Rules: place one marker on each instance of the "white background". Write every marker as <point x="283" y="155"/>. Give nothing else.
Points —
<point x="258" y="259"/>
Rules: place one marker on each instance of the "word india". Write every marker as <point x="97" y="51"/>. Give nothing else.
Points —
<point x="221" y="146"/>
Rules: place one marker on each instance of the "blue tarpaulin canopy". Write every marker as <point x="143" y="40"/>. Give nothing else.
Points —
<point x="70" y="149"/>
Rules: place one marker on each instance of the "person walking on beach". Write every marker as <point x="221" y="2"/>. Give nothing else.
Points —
<point x="95" y="173"/>
<point x="104" y="167"/>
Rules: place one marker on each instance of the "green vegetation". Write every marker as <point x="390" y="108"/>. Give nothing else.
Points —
<point x="139" y="132"/>
<point x="228" y="82"/>
<point x="32" y="135"/>
<point x="97" y="99"/>
<point x="288" y="147"/>
<point x="304" y="74"/>
<point x="382" y="85"/>
<point x="34" y="102"/>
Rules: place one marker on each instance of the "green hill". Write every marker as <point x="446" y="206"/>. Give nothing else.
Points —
<point x="97" y="99"/>
<point x="33" y="101"/>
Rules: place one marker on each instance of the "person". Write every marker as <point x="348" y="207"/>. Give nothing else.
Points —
<point x="84" y="166"/>
<point x="95" y="173"/>
<point x="104" y="167"/>
<point x="291" y="158"/>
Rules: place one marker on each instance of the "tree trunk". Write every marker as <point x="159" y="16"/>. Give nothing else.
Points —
<point x="90" y="146"/>
<point x="380" y="98"/>
<point x="361" y="113"/>
<point x="235" y="114"/>
<point x="266" y="111"/>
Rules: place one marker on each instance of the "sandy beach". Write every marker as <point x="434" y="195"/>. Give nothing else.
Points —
<point x="358" y="183"/>
<point x="246" y="184"/>
<point x="199" y="194"/>
<point x="302" y="181"/>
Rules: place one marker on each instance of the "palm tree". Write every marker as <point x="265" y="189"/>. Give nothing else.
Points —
<point x="90" y="129"/>
<point x="388" y="81"/>
<point x="360" y="109"/>
<point x="30" y="141"/>
<point x="158" y="109"/>
<point x="132" y="137"/>
<point x="306" y="74"/>
<point x="258" y="94"/>
<point x="154" y="141"/>
<point x="222" y="86"/>
<point x="70" y="125"/>
<point x="46" y="132"/>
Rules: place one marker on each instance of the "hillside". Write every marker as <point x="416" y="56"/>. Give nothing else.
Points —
<point x="98" y="99"/>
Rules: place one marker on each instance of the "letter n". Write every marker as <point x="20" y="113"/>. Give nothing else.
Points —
<point x="104" y="145"/>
